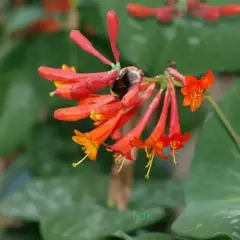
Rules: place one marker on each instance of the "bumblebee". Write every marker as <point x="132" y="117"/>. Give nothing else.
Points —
<point x="127" y="77"/>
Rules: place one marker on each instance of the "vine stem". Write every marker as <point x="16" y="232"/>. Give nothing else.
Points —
<point x="224" y="119"/>
<point x="160" y="79"/>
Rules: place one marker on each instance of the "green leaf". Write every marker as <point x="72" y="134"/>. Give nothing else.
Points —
<point x="97" y="222"/>
<point x="42" y="196"/>
<point x="191" y="42"/>
<point x="22" y="17"/>
<point x="18" y="115"/>
<point x="213" y="199"/>
<point x="10" y="174"/>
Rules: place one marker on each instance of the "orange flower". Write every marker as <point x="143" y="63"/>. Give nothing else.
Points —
<point x="155" y="143"/>
<point x="194" y="89"/>
<point x="93" y="139"/>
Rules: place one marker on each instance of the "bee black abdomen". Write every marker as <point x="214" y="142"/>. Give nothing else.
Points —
<point x="121" y="85"/>
<point x="118" y="89"/>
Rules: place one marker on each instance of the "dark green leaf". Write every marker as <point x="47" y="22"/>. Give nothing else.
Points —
<point x="20" y="18"/>
<point x="11" y="173"/>
<point x="213" y="199"/>
<point x="191" y="42"/>
<point x="18" y="115"/>
<point x="95" y="222"/>
<point x="40" y="197"/>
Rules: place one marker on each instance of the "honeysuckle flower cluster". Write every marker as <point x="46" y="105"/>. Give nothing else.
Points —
<point x="128" y="89"/>
<point x="193" y="7"/>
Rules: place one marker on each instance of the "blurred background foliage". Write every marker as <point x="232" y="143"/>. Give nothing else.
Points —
<point x="42" y="196"/>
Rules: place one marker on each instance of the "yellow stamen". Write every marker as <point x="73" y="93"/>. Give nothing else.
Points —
<point x="109" y="150"/>
<point x="114" y="94"/>
<point x="174" y="157"/>
<point x="51" y="94"/>
<point x="120" y="168"/>
<point x="95" y="116"/>
<point x="149" y="165"/>
<point x="148" y="152"/>
<point x="77" y="163"/>
<point x="118" y="158"/>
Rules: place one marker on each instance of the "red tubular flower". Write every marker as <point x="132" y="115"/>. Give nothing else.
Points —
<point x="175" y="138"/>
<point x="165" y="14"/>
<point x="87" y="46"/>
<point x="56" y="6"/>
<point x="94" y="98"/>
<point x="67" y="75"/>
<point x="116" y="134"/>
<point x="84" y="88"/>
<point x="156" y="142"/>
<point x="93" y="139"/>
<point x="105" y="111"/>
<point x="140" y="11"/>
<point x="191" y="4"/>
<point x="123" y="148"/>
<point x="80" y="85"/>
<point x="113" y="26"/>
<point x="176" y="74"/>
<point x="148" y="91"/>
<point x="79" y="112"/>
<point x="229" y="10"/>
<point x="194" y="89"/>
<point x="206" y="12"/>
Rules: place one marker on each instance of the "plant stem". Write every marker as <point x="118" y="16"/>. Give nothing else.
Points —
<point x="224" y="119"/>
<point x="160" y="79"/>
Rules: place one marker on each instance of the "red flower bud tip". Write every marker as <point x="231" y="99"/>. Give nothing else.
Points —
<point x="123" y="148"/>
<point x="84" y="88"/>
<point x="52" y="6"/>
<point x="47" y="25"/>
<point x="175" y="138"/>
<point x="53" y="74"/>
<point x="116" y="134"/>
<point x="93" y="139"/>
<point x="140" y="11"/>
<point x="176" y="74"/>
<point x="210" y="15"/>
<point x="87" y="46"/>
<point x="229" y="10"/>
<point x="207" y="12"/>
<point x="79" y="112"/>
<point x="113" y="27"/>
<point x="165" y="14"/>
<point x="191" y="4"/>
